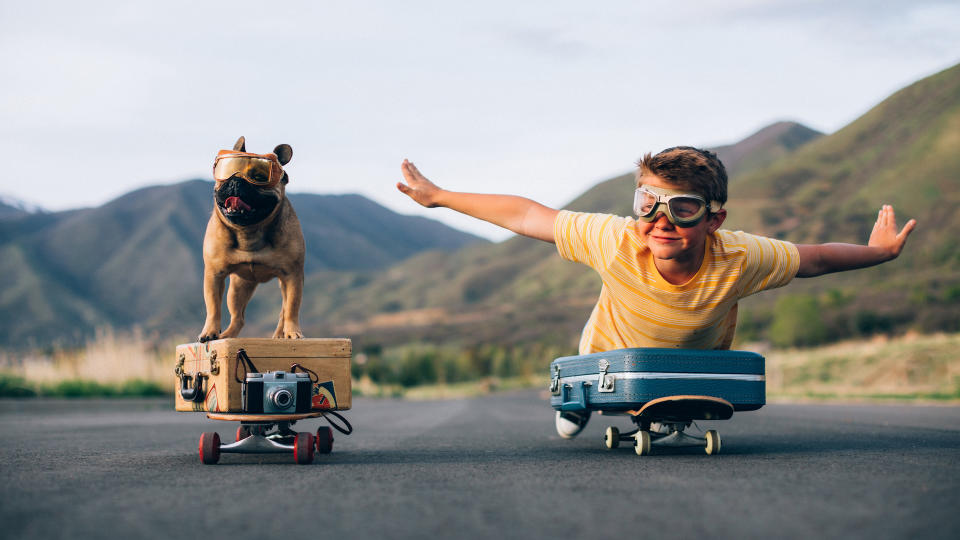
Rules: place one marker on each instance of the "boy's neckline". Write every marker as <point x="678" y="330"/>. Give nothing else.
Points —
<point x="704" y="262"/>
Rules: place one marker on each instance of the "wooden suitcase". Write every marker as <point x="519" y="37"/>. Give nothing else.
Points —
<point x="206" y="372"/>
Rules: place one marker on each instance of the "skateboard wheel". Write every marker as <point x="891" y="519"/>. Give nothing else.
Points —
<point x="242" y="433"/>
<point x="643" y="443"/>
<point x="209" y="448"/>
<point x="713" y="442"/>
<point x="611" y="438"/>
<point x="303" y="448"/>
<point x="324" y="440"/>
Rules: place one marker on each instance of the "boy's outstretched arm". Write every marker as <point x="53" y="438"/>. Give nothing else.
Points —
<point x="517" y="214"/>
<point x="885" y="244"/>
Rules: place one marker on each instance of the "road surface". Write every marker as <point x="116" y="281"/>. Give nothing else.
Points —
<point x="490" y="467"/>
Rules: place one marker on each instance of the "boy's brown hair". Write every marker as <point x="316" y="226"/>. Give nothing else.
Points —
<point x="689" y="168"/>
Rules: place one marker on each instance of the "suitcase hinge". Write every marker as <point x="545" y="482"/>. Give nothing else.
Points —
<point x="214" y="363"/>
<point x="607" y="381"/>
<point x="555" y="381"/>
<point x="180" y="361"/>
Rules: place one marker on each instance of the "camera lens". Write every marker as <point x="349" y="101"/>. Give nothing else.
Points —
<point x="281" y="397"/>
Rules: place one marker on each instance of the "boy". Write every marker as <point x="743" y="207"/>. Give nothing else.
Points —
<point x="671" y="277"/>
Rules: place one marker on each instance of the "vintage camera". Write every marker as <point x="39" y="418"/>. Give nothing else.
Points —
<point x="277" y="392"/>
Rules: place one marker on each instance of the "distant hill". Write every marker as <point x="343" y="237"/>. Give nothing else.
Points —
<point x="14" y="208"/>
<point x="511" y="292"/>
<point x="379" y="278"/>
<point x="137" y="260"/>
<point x="764" y="147"/>
<point x="902" y="152"/>
<point x="787" y="181"/>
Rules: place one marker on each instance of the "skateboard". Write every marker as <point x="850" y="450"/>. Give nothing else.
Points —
<point x="660" y="423"/>
<point x="271" y="433"/>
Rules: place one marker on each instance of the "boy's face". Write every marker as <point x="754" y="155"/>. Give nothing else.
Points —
<point x="669" y="242"/>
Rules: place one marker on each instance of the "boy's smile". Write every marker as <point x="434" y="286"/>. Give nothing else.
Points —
<point x="677" y="251"/>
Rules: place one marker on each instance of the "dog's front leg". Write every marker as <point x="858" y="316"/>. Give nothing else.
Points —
<point x="238" y="296"/>
<point x="291" y="292"/>
<point x="212" y="296"/>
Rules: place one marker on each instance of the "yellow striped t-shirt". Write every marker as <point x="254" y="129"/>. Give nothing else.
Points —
<point x="638" y="308"/>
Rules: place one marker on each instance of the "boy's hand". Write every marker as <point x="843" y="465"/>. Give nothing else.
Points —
<point x="885" y="235"/>
<point x="418" y="187"/>
<point x="885" y="243"/>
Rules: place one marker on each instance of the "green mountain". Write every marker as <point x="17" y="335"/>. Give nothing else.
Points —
<point x="786" y="182"/>
<point x="13" y="208"/>
<point x="509" y="293"/>
<point x="137" y="260"/>
<point x="764" y="147"/>
<point x="902" y="152"/>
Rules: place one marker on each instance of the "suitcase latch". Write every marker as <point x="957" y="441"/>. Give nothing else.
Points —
<point x="607" y="380"/>
<point x="555" y="381"/>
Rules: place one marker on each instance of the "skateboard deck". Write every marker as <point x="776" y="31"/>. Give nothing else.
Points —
<point x="661" y="423"/>
<point x="271" y="433"/>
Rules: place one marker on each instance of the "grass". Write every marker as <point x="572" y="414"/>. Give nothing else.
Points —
<point x="13" y="386"/>
<point x="110" y="365"/>
<point x="910" y="368"/>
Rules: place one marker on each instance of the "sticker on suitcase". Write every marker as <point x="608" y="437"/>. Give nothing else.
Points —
<point x="324" y="396"/>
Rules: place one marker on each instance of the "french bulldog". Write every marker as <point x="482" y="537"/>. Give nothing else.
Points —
<point x="253" y="236"/>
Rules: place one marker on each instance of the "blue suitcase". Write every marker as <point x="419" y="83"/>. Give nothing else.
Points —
<point x="626" y="379"/>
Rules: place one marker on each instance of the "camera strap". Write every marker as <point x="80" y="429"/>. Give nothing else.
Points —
<point x="313" y="374"/>
<point x="346" y="429"/>
<point x="248" y="366"/>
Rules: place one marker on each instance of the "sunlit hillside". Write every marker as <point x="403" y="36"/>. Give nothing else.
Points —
<point x="901" y="153"/>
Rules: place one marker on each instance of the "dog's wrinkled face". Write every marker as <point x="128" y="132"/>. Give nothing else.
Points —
<point x="244" y="204"/>
<point x="252" y="193"/>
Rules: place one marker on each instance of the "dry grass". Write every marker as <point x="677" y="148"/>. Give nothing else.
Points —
<point x="912" y="367"/>
<point x="108" y="358"/>
<point x="909" y="367"/>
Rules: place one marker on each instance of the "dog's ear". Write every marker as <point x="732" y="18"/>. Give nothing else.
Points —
<point x="284" y="153"/>
<point x="241" y="145"/>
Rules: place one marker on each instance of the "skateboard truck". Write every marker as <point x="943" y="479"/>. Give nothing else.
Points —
<point x="661" y="422"/>
<point x="256" y="435"/>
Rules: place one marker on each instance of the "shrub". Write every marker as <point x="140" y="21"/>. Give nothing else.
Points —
<point x="869" y="322"/>
<point x="797" y="321"/>
<point x="15" y="387"/>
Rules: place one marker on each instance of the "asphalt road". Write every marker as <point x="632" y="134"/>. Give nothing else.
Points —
<point x="481" y="468"/>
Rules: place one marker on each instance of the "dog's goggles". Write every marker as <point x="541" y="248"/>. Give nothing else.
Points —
<point x="262" y="170"/>
<point x="681" y="208"/>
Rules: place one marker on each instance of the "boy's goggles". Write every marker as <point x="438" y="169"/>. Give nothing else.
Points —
<point x="681" y="208"/>
<point x="261" y="170"/>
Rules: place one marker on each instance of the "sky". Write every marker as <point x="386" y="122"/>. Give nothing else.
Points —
<point x="537" y="98"/>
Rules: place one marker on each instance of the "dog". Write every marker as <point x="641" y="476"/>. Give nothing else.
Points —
<point x="253" y="236"/>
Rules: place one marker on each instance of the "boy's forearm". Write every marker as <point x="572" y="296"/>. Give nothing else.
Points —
<point x="518" y="214"/>
<point x="819" y="259"/>
<point x="885" y="244"/>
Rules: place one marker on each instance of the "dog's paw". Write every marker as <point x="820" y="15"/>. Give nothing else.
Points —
<point x="208" y="336"/>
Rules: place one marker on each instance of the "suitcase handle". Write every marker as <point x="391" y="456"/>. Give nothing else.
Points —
<point x="194" y="393"/>
<point x="573" y="397"/>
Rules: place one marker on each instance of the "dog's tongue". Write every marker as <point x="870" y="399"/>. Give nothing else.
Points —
<point x="236" y="203"/>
